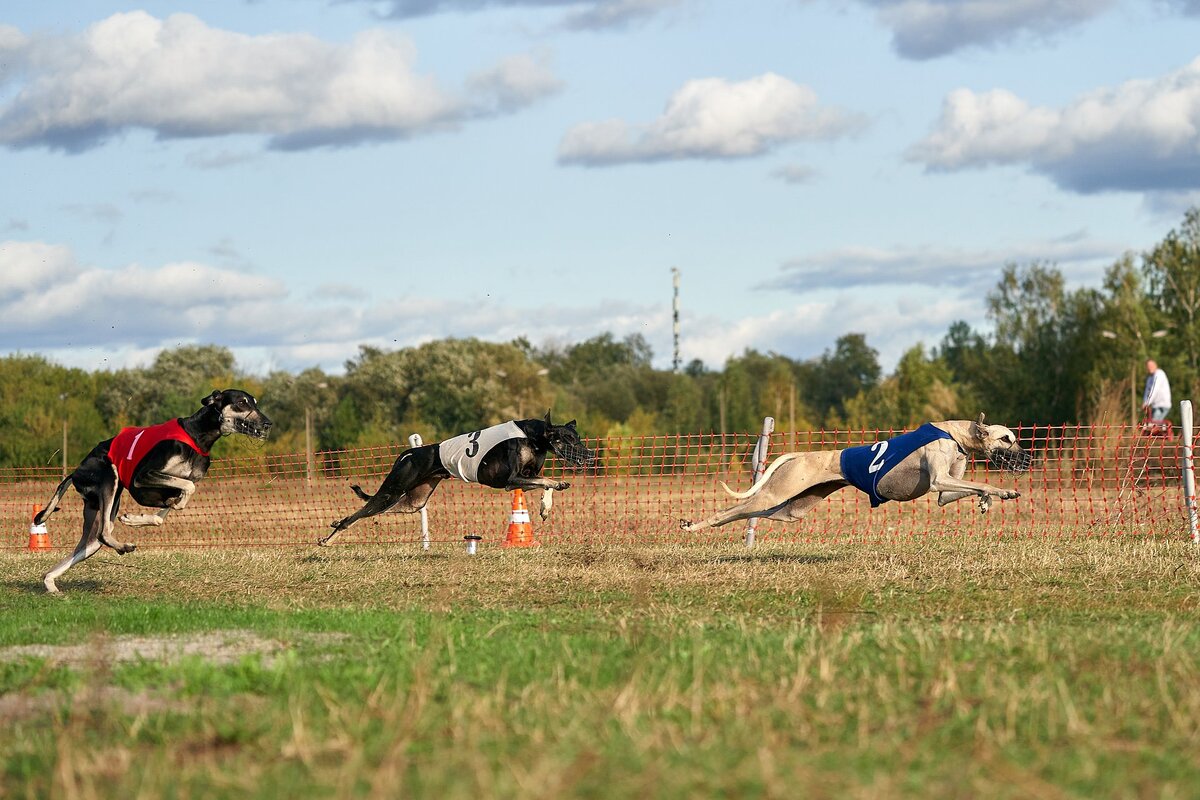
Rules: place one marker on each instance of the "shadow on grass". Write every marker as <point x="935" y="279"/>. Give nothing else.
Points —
<point x="66" y="587"/>
<point x="326" y="555"/>
<point x="775" y="558"/>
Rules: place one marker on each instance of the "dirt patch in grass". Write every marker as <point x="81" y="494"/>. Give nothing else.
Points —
<point x="216" y="647"/>
<point x="15" y="706"/>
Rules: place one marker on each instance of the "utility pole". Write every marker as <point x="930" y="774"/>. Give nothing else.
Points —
<point x="309" y="459"/>
<point x="675" y="324"/>
<point x="63" y="399"/>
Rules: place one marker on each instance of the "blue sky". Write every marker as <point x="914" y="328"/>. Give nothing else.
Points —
<point x="293" y="178"/>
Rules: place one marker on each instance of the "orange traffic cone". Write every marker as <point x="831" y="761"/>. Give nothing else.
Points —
<point x="39" y="537"/>
<point x="520" y="529"/>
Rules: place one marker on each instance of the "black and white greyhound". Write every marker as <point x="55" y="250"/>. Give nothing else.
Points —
<point x="159" y="466"/>
<point x="506" y="456"/>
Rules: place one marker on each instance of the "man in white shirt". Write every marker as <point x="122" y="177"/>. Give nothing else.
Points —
<point x="1156" y="401"/>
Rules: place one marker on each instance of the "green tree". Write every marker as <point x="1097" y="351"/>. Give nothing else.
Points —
<point x="849" y="369"/>
<point x="1172" y="271"/>
<point x="170" y="387"/>
<point x="36" y="398"/>
<point x="1044" y="346"/>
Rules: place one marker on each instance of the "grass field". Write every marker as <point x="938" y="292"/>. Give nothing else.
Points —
<point x="945" y="667"/>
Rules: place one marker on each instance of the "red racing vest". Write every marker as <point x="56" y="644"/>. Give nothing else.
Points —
<point x="131" y="445"/>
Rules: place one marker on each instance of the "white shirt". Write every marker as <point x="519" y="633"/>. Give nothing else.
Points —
<point x="1158" y="390"/>
<point x="462" y="454"/>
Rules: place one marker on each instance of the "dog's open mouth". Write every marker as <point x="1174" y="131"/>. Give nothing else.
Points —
<point x="1010" y="460"/>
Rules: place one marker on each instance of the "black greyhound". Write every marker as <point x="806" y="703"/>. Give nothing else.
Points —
<point x="159" y="466"/>
<point x="507" y="456"/>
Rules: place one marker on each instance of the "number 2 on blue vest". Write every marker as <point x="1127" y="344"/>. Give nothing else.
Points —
<point x="877" y="461"/>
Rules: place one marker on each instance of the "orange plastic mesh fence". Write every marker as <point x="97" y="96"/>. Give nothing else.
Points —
<point x="1086" y="481"/>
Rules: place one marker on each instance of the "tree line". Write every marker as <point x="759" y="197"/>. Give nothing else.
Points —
<point x="1051" y="355"/>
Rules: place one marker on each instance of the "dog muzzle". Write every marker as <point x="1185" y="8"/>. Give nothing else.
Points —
<point x="255" y="430"/>
<point x="1010" y="460"/>
<point x="574" y="453"/>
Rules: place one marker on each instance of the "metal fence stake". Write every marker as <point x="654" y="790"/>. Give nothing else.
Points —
<point x="760" y="465"/>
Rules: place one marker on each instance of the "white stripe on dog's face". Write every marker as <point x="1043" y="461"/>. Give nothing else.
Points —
<point x="999" y="436"/>
<point x="1001" y="449"/>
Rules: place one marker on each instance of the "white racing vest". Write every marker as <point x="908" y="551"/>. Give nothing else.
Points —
<point x="462" y="454"/>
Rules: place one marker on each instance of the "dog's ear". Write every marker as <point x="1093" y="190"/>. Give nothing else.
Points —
<point x="215" y="397"/>
<point x="979" y="429"/>
<point x="571" y="424"/>
<point x="980" y="417"/>
<point x="548" y="422"/>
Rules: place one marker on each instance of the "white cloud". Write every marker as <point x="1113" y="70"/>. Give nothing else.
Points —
<point x="923" y="29"/>
<point x="712" y="118"/>
<point x="1143" y="135"/>
<point x="51" y="303"/>
<point x="28" y="268"/>
<point x="515" y="82"/>
<point x="795" y="174"/>
<point x="96" y="317"/>
<point x="607" y="14"/>
<point x="99" y="318"/>
<point x="953" y="270"/>
<point x="180" y="78"/>
<point x="808" y="329"/>
<point x="584" y="14"/>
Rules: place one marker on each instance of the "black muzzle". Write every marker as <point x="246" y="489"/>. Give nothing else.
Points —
<point x="255" y="429"/>
<point x="573" y="453"/>
<point x="1010" y="460"/>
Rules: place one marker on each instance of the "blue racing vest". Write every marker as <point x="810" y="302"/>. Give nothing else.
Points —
<point x="863" y="466"/>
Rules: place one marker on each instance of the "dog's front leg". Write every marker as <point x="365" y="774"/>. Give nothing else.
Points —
<point x="529" y="484"/>
<point x="157" y="479"/>
<point x="547" y="504"/>
<point x="957" y="489"/>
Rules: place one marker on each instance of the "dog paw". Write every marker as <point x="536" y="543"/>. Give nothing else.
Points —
<point x="685" y="524"/>
<point x="562" y="485"/>
<point x="985" y="504"/>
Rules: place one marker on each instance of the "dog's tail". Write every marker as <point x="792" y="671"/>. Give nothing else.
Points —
<point x="53" y="504"/>
<point x="361" y="494"/>
<point x="761" y="481"/>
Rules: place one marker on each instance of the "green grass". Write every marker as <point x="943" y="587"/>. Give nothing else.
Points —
<point x="923" y="668"/>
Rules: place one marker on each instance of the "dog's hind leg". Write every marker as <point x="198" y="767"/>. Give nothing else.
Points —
<point x="761" y="504"/>
<point x="415" y="498"/>
<point x="797" y="507"/>
<point x="410" y="502"/>
<point x="379" y="503"/>
<point x="796" y="477"/>
<point x="411" y="472"/>
<point x="376" y="505"/>
<point x="97" y="510"/>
